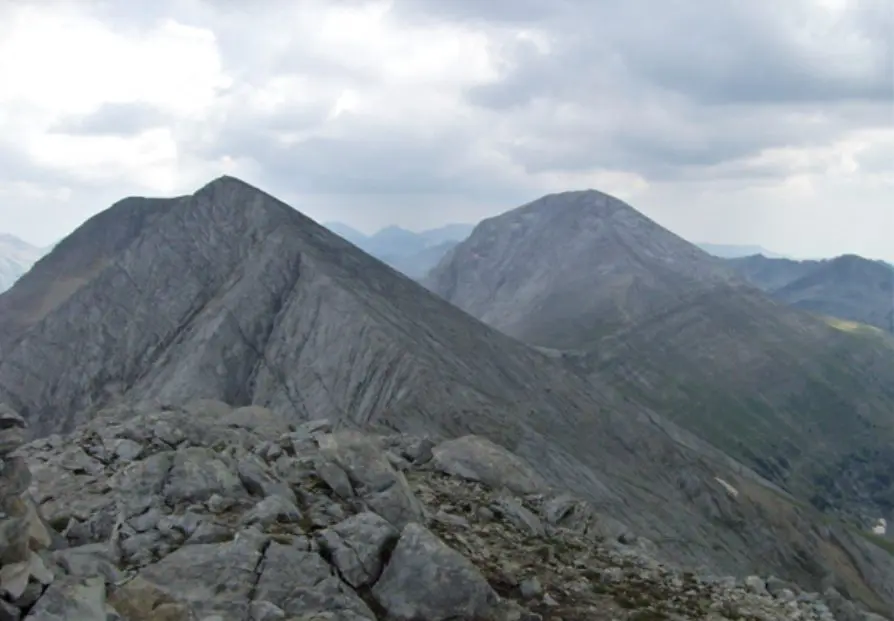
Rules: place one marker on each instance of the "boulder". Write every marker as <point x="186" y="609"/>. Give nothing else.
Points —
<point x="478" y="459"/>
<point x="357" y="547"/>
<point x="426" y="580"/>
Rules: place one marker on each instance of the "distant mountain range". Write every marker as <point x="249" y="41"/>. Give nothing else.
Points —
<point x="415" y="253"/>
<point x="732" y="251"/>
<point x="848" y="287"/>
<point x="16" y="258"/>
<point x="409" y="252"/>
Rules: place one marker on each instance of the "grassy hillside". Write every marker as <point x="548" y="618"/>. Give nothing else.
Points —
<point x="808" y="405"/>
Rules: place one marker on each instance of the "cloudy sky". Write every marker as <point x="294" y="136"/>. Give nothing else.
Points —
<point x="736" y="121"/>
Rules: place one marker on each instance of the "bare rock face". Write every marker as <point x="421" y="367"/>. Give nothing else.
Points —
<point x="426" y="579"/>
<point x="147" y="555"/>
<point x="478" y="459"/>
<point x="23" y="533"/>
<point x="570" y="263"/>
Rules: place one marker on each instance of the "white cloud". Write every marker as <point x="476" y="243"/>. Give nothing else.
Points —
<point x="424" y="112"/>
<point x="61" y="62"/>
<point x="57" y="62"/>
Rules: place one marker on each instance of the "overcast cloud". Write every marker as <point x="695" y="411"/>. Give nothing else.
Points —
<point x="726" y="120"/>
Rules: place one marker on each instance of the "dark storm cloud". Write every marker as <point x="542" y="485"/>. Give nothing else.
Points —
<point x="757" y="52"/>
<point x="717" y="51"/>
<point x="114" y="119"/>
<point x="733" y="78"/>
<point x="714" y="52"/>
<point x="684" y="90"/>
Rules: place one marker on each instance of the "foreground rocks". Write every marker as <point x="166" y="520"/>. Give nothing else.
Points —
<point x="23" y="534"/>
<point x="213" y="514"/>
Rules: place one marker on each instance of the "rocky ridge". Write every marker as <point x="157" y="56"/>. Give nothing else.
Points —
<point x="23" y="533"/>
<point x="209" y="513"/>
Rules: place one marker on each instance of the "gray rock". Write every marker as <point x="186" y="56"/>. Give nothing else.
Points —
<point x="72" y="599"/>
<point x="514" y="511"/>
<point x="335" y="477"/>
<point x="426" y="579"/>
<point x="209" y="532"/>
<point x="10" y="419"/>
<point x="76" y="460"/>
<point x="756" y="584"/>
<point x="141" y="482"/>
<point x="450" y="519"/>
<point x="261" y="610"/>
<point x="88" y="561"/>
<point x="98" y="527"/>
<point x="9" y="612"/>
<point x="13" y="540"/>
<point x="609" y="529"/>
<point x="479" y="459"/>
<point x="11" y="438"/>
<point x="30" y="596"/>
<point x="258" y="482"/>
<point x="776" y="585"/>
<point x="177" y="525"/>
<point x="147" y="520"/>
<point x="211" y="578"/>
<point x="302" y="583"/>
<point x="196" y="474"/>
<point x="219" y="504"/>
<point x="357" y="547"/>
<point x="126" y="449"/>
<point x="141" y="548"/>
<point x="530" y="588"/>
<point x="419" y="450"/>
<point x="272" y="510"/>
<point x="384" y="490"/>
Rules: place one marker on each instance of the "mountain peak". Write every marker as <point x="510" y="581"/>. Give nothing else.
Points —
<point x="551" y="250"/>
<point x="227" y="181"/>
<point x="577" y="202"/>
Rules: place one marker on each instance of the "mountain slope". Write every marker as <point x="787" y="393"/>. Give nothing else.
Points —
<point x="230" y="294"/>
<point x="570" y="266"/>
<point x="769" y="273"/>
<point x="849" y="287"/>
<point x="16" y="258"/>
<point x="810" y="406"/>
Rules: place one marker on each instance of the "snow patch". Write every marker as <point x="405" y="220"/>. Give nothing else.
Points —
<point x="732" y="491"/>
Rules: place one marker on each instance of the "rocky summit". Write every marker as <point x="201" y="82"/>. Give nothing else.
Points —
<point x="212" y="513"/>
